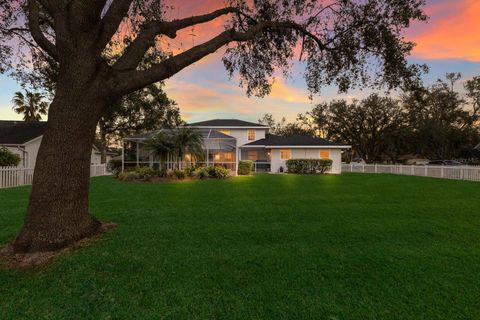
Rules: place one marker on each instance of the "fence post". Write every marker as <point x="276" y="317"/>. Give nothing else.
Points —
<point x="426" y="171"/>
<point x="376" y="170"/>
<point x="363" y="168"/>
<point x="442" y="174"/>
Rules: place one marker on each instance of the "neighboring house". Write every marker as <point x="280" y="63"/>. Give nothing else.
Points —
<point x="24" y="138"/>
<point x="227" y="141"/>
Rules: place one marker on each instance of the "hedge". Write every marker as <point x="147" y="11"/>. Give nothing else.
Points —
<point x="245" y="167"/>
<point x="8" y="158"/>
<point x="309" y="166"/>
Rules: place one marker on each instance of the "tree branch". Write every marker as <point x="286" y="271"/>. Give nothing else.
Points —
<point x="129" y="81"/>
<point x="146" y="37"/>
<point x="111" y="21"/>
<point x="36" y="31"/>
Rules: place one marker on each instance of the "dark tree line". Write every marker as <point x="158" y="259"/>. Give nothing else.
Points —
<point x="435" y="122"/>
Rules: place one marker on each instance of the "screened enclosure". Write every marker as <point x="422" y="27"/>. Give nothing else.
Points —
<point x="219" y="150"/>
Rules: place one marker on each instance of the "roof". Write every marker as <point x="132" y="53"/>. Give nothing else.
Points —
<point x="206" y="134"/>
<point x="227" y="123"/>
<point x="20" y="132"/>
<point x="295" y="141"/>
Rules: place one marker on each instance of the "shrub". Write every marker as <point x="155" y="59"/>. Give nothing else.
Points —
<point x="8" y="158"/>
<point x="211" y="171"/>
<point x="128" y="176"/>
<point x="220" y="173"/>
<point x="309" y="166"/>
<point x="190" y="171"/>
<point x="180" y="174"/>
<point x="245" y="167"/>
<point x="115" y="166"/>
<point x="202" y="173"/>
<point x="145" y="173"/>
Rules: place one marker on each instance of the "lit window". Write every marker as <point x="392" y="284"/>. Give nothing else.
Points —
<point x="324" y="153"/>
<point x="251" y="134"/>
<point x="216" y="157"/>
<point x="252" y="155"/>
<point x="225" y="131"/>
<point x="285" y="154"/>
<point x="227" y="156"/>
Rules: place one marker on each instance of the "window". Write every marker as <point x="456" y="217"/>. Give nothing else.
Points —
<point x="252" y="155"/>
<point x="225" y="131"/>
<point x="285" y="154"/>
<point x="251" y="134"/>
<point x="324" y="153"/>
<point x="227" y="156"/>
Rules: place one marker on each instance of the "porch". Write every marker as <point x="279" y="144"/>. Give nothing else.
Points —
<point x="260" y="157"/>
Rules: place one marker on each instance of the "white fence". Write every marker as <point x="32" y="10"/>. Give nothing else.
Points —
<point x="19" y="176"/>
<point x="470" y="173"/>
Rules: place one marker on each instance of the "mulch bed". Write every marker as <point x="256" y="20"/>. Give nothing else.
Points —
<point x="12" y="260"/>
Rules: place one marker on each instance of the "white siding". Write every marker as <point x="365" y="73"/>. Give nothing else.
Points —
<point x="31" y="153"/>
<point x="310" y="153"/>
<point x="242" y="135"/>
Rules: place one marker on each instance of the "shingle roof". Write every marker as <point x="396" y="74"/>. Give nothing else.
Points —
<point x="206" y="134"/>
<point x="226" y="123"/>
<point x="295" y="140"/>
<point x="20" y="132"/>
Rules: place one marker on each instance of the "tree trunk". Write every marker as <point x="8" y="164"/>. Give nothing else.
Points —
<point x="57" y="214"/>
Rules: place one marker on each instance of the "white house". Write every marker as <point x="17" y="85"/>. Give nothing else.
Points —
<point x="24" y="138"/>
<point x="227" y="141"/>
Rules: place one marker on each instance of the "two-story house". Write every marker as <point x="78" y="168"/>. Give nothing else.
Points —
<point x="227" y="141"/>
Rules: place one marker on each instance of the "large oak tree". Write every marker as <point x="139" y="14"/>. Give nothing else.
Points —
<point x="342" y="42"/>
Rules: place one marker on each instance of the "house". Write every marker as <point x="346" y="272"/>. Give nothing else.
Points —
<point x="24" y="138"/>
<point x="228" y="141"/>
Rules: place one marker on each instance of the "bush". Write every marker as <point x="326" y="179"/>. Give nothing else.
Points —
<point x="128" y="176"/>
<point x="190" y="171"/>
<point x="8" y="158"/>
<point x="115" y="166"/>
<point x="309" y="166"/>
<point x="180" y="174"/>
<point x="146" y="173"/>
<point x="220" y="173"/>
<point x="212" y="172"/>
<point x="245" y="167"/>
<point x="202" y="173"/>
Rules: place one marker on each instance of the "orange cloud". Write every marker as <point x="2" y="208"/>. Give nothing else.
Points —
<point x="451" y="33"/>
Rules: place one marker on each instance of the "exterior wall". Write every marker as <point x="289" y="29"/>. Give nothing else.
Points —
<point x="307" y="153"/>
<point x="261" y="154"/>
<point x="242" y="135"/>
<point x="96" y="157"/>
<point x="31" y="153"/>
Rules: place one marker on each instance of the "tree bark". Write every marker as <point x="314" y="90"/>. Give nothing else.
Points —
<point x="57" y="214"/>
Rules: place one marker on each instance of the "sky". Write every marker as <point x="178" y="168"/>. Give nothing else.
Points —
<point x="448" y="42"/>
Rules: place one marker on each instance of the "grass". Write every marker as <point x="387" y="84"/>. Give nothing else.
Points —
<point x="264" y="247"/>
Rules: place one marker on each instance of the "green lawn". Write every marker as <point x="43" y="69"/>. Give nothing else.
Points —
<point x="264" y="247"/>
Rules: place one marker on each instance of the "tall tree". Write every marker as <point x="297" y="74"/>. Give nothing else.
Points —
<point x="440" y="123"/>
<point x="340" y="41"/>
<point x="140" y="111"/>
<point x="31" y="105"/>
<point x="366" y="125"/>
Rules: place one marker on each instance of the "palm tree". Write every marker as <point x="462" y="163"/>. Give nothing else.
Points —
<point x="187" y="140"/>
<point x="31" y="105"/>
<point x="161" y="145"/>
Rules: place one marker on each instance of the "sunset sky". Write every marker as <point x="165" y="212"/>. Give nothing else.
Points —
<point x="448" y="42"/>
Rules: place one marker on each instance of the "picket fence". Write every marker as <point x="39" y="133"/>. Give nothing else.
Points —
<point x="19" y="176"/>
<point x="470" y="173"/>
